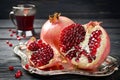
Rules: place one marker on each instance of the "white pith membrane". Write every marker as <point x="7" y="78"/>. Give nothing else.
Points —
<point x="83" y="60"/>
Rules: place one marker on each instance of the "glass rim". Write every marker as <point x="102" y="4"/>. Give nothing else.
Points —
<point x="24" y="6"/>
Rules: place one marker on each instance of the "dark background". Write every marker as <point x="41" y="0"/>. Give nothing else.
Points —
<point x="71" y="8"/>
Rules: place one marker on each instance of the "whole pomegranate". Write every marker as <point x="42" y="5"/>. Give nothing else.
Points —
<point x="85" y="46"/>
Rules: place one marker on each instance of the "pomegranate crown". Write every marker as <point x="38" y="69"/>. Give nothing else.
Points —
<point x="54" y="18"/>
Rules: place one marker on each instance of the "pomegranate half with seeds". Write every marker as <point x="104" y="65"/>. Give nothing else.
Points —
<point x="85" y="46"/>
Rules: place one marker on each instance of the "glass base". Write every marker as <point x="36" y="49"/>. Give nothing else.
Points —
<point x="26" y="33"/>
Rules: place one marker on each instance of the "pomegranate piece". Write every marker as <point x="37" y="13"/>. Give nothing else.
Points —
<point x="85" y="46"/>
<point x="42" y="56"/>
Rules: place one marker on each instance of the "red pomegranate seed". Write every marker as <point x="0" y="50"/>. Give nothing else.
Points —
<point x="94" y="42"/>
<point x="13" y="31"/>
<point x="77" y="48"/>
<point x="71" y="54"/>
<point x="7" y="42"/>
<point x="9" y="29"/>
<point x="17" y="75"/>
<point x="72" y="36"/>
<point x="39" y="41"/>
<point x="11" y="68"/>
<point x="19" y="71"/>
<point x="10" y="44"/>
<point x="89" y="59"/>
<point x="43" y="55"/>
<point x="18" y="38"/>
<point x="27" y="66"/>
<point x="11" y="35"/>
<point x="33" y="46"/>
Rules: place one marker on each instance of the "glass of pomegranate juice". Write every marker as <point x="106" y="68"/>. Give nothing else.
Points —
<point x="22" y="17"/>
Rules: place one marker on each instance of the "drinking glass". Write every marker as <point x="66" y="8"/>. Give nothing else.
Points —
<point x="22" y="16"/>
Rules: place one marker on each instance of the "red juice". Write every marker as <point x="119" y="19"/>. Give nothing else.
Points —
<point x="24" y="23"/>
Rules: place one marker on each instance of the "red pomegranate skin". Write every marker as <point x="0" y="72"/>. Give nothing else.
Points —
<point x="50" y="32"/>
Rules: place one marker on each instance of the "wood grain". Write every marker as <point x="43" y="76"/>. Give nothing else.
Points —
<point x="7" y="56"/>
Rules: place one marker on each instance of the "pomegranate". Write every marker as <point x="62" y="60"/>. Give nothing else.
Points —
<point x="50" y="31"/>
<point x="42" y="55"/>
<point x="85" y="46"/>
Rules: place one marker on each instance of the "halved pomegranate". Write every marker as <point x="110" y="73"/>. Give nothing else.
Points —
<point x="85" y="46"/>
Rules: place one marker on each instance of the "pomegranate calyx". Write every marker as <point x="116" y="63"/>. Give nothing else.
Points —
<point x="32" y="39"/>
<point x="54" y="18"/>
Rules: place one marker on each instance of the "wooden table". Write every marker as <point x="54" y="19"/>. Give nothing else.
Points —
<point x="7" y="56"/>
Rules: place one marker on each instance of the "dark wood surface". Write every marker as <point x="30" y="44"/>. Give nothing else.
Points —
<point x="7" y="56"/>
<point x="71" y="8"/>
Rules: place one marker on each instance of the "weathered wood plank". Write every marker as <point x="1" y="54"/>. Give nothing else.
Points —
<point x="107" y="23"/>
<point x="113" y="33"/>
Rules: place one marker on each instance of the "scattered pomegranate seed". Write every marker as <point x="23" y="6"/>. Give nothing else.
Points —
<point x="27" y="66"/>
<point x="18" y="74"/>
<point x="10" y="45"/>
<point x="17" y="36"/>
<point x="19" y="71"/>
<point x="11" y="35"/>
<point x="7" y="42"/>
<point x="11" y="68"/>
<point x="13" y="31"/>
<point x="9" y="29"/>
